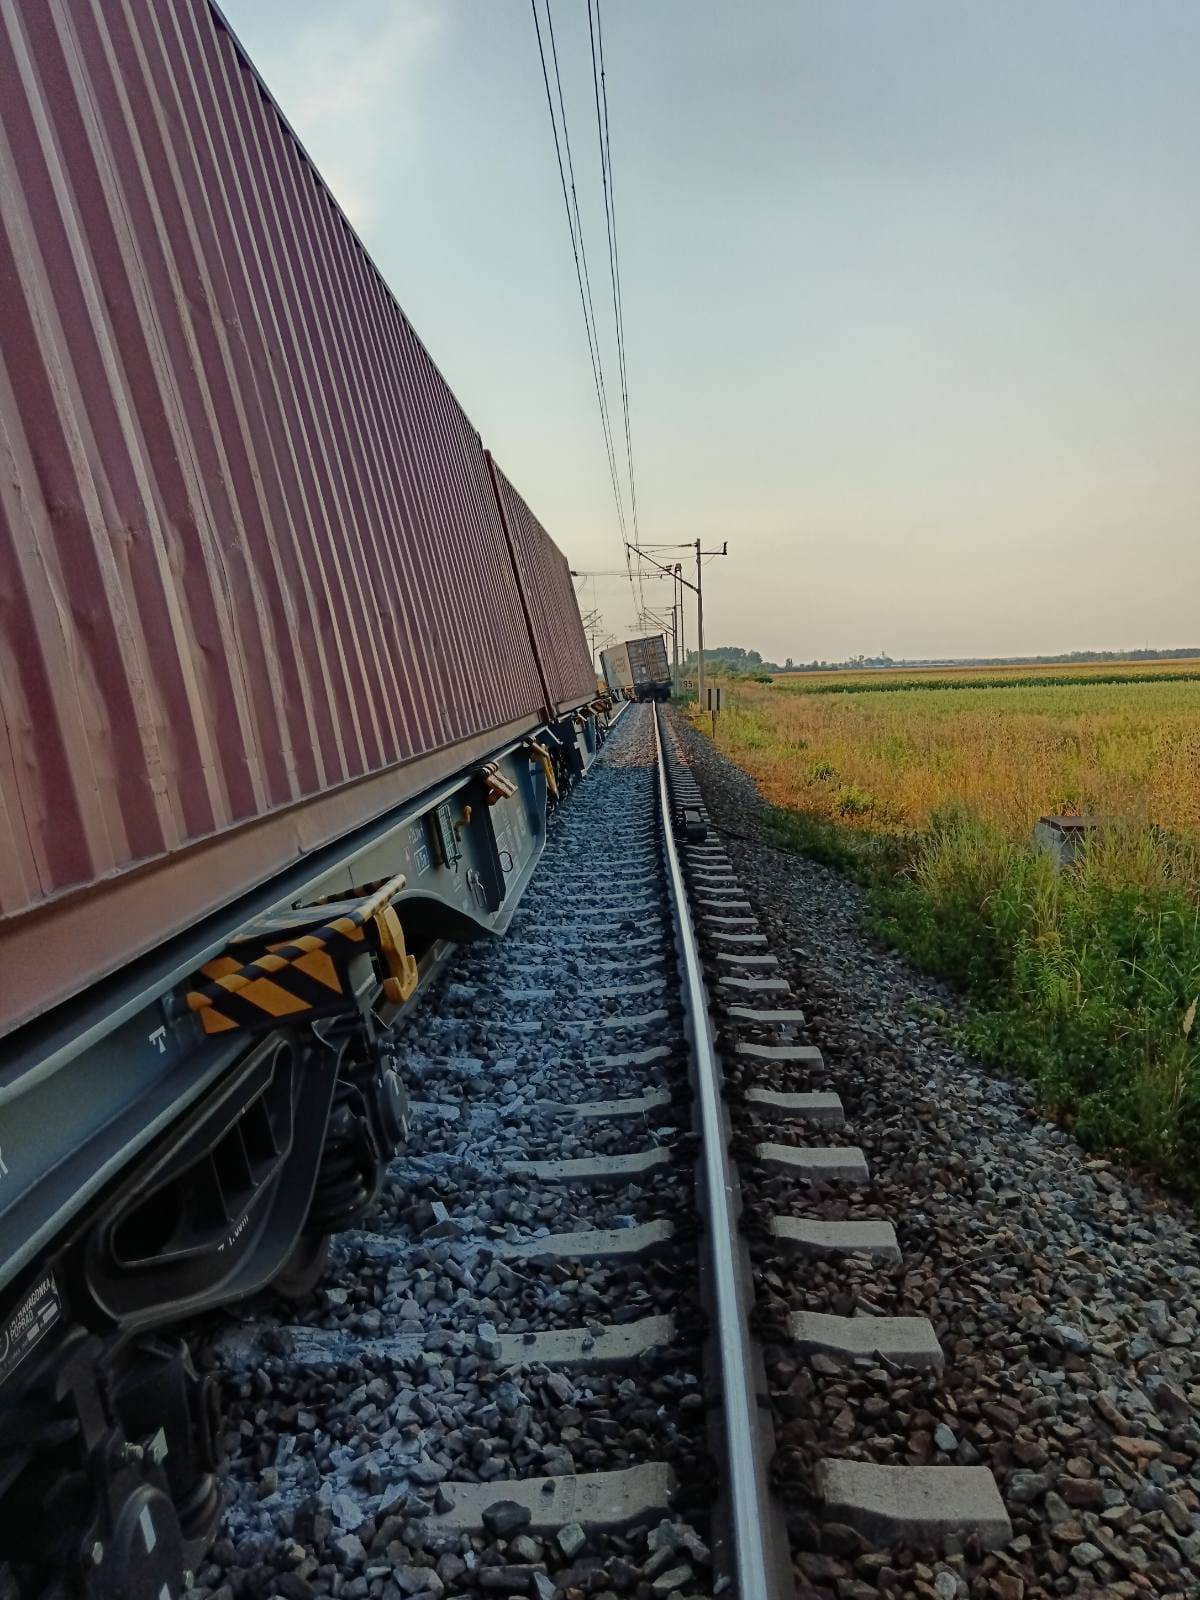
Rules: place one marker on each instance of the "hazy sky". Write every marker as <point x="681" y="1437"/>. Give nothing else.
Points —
<point x="911" y="292"/>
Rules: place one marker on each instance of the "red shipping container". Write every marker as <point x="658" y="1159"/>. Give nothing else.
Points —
<point x="555" y="624"/>
<point x="254" y="582"/>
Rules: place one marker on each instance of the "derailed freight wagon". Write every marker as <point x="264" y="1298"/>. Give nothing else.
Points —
<point x="288" y="674"/>
<point x="638" y="669"/>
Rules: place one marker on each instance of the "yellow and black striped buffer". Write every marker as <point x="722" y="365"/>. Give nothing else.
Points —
<point x="306" y="973"/>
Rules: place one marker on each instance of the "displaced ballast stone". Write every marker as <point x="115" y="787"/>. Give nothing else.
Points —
<point x="921" y="1505"/>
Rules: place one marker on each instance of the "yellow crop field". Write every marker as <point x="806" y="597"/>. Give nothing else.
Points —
<point x="889" y="755"/>
<point x="928" y="786"/>
<point x="1014" y="674"/>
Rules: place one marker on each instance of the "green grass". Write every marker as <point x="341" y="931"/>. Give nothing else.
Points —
<point x="1083" y="979"/>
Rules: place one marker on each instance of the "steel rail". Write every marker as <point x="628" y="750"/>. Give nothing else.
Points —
<point x="747" y="1482"/>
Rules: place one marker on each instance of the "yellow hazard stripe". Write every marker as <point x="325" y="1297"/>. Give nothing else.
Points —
<point x="319" y="965"/>
<point x="251" y="982"/>
<point x="273" y="998"/>
<point x="220" y="967"/>
<point x="214" y="1021"/>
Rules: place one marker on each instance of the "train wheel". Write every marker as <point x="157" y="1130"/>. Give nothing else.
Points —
<point x="302" y="1270"/>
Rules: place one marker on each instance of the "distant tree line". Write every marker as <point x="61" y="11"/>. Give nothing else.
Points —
<point x="1065" y="659"/>
<point x="732" y="661"/>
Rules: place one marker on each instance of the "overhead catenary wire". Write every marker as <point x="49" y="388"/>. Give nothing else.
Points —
<point x="600" y="95"/>
<point x="579" y="253"/>
<point x="589" y="307"/>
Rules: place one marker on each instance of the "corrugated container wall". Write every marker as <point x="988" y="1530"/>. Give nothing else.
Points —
<point x="648" y="659"/>
<point x="554" y="618"/>
<point x="250" y="552"/>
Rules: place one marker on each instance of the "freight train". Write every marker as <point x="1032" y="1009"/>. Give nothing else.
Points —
<point x="637" y="669"/>
<point x="290" y="674"/>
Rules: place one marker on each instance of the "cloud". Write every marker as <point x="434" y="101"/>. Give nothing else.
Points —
<point x="343" y="73"/>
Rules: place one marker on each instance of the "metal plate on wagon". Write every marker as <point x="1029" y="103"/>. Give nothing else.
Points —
<point x="37" y="1312"/>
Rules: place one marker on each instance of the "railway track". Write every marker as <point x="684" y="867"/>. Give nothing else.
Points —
<point x="532" y="1370"/>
